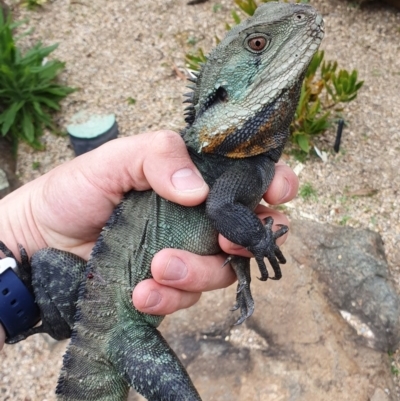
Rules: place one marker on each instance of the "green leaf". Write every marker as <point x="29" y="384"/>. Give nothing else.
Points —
<point x="194" y="61"/>
<point x="8" y="117"/>
<point x="48" y="102"/>
<point x="248" y="6"/>
<point x="302" y="140"/>
<point x="236" y="17"/>
<point x="315" y="63"/>
<point x="49" y="70"/>
<point x="27" y="127"/>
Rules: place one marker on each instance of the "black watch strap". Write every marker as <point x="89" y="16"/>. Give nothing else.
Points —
<point x="18" y="310"/>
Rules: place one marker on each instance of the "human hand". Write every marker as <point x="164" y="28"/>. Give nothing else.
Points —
<point x="180" y="277"/>
<point x="67" y="207"/>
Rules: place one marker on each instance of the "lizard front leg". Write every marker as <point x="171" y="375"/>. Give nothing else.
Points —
<point x="230" y="206"/>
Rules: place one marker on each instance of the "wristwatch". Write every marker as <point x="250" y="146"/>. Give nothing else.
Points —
<point x="18" y="310"/>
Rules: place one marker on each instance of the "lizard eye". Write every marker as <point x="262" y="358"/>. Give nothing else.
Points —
<point x="257" y="43"/>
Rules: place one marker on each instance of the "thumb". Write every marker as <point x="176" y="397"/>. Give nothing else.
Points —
<point x="170" y="171"/>
<point x="157" y="160"/>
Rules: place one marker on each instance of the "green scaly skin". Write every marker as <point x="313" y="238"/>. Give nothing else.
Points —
<point x="242" y="103"/>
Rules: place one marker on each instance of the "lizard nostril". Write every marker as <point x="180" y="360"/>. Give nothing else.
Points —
<point x="319" y="21"/>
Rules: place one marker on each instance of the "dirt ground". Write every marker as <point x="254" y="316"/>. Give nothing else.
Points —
<point x="116" y="50"/>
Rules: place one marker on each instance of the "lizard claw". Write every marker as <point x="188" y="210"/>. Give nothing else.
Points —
<point x="227" y="261"/>
<point x="267" y="248"/>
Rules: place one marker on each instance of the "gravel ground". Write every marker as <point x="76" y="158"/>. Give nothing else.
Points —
<point x="115" y="50"/>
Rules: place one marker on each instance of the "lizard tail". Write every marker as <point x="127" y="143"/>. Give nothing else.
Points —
<point x="141" y="354"/>
<point x="88" y="376"/>
<point x="133" y="355"/>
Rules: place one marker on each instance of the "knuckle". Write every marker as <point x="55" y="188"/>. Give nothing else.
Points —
<point x="166" y="142"/>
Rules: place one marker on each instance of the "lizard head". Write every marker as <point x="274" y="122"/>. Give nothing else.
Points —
<point x="245" y="95"/>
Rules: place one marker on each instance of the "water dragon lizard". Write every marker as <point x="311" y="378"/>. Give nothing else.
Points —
<point x="240" y="108"/>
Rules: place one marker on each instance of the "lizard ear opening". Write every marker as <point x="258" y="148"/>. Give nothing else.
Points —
<point x="221" y="95"/>
<point x="218" y="96"/>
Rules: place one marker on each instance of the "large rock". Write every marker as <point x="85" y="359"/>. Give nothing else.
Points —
<point x="298" y="346"/>
<point x="352" y="270"/>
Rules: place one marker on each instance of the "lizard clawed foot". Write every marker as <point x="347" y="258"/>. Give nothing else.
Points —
<point x="244" y="299"/>
<point x="267" y="248"/>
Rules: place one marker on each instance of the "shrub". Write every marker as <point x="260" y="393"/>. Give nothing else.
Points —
<point x="29" y="92"/>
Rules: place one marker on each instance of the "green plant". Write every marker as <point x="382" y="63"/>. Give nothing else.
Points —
<point x="28" y="89"/>
<point x="307" y="191"/>
<point x="324" y="89"/>
<point x="394" y="366"/>
<point x="33" y="4"/>
<point x="36" y="165"/>
<point x="217" y="7"/>
<point x="194" y="61"/>
<point x="191" y="40"/>
<point x="131" y="101"/>
<point x="343" y="221"/>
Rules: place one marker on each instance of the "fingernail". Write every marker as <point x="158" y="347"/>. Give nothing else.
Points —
<point x="284" y="190"/>
<point x="187" y="180"/>
<point x="175" y="269"/>
<point x="153" y="299"/>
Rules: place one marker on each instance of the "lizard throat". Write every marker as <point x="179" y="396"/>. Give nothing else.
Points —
<point x="264" y="131"/>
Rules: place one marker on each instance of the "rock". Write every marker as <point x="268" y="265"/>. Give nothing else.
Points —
<point x="297" y="346"/>
<point x="379" y="395"/>
<point x="352" y="268"/>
